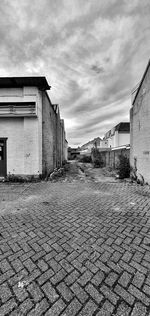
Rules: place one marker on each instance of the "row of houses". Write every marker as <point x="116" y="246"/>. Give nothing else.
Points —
<point x="130" y="138"/>
<point x="115" y="139"/>
<point x="134" y="136"/>
<point x="32" y="134"/>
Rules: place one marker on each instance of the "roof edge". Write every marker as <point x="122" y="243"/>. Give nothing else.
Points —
<point x="145" y="72"/>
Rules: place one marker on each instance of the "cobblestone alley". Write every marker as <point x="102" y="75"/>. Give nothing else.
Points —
<point x="75" y="247"/>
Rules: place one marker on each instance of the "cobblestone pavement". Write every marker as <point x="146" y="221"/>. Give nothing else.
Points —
<point x="75" y="247"/>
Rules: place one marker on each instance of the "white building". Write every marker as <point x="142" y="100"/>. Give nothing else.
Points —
<point x="29" y="128"/>
<point x="118" y="135"/>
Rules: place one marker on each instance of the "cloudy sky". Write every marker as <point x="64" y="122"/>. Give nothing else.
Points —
<point x="92" y="52"/>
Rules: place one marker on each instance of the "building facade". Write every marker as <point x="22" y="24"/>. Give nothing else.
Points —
<point x="118" y="135"/>
<point x="140" y="127"/>
<point x="31" y="131"/>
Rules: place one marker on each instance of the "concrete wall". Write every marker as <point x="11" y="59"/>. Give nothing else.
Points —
<point x="66" y="150"/>
<point x="110" y="157"/>
<point x="140" y="130"/>
<point x="58" y="137"/>
<point x="48" y="132"/>
<point x="24" y="153"/>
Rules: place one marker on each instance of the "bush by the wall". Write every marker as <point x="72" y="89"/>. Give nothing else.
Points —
<point x="123" y="167"/>
<point x="97" y="158"/>
<point x="86" y="159"/>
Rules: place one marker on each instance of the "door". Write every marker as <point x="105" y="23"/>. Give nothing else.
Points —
<point x="3" y="164"/>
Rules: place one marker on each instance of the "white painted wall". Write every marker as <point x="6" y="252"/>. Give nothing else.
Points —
<point x="103" y="143"/>
<point x="118" y="139"/>
<point x="123" y="139"/>
<point x="24" y="144"/>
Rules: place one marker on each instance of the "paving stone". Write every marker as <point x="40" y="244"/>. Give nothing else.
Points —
<point x="20" y="292"/>
<point x="72" y="277"/>
<point x="125" y="279"/>
<point x="56" y="308"/>
<point x="123" y="309"/>
<point x="106" y="309"/>
<point x="23" y="308"/>
<point x="92" y="291"/>
<point x="79" y="292"/>
<point x="138" y="279"/>
<point x="42" y="265"/>
<point x="128" y="298"/>
<point x="4" y="265"/>
<point x="35" y="292"/>
<point x="111" y="278"/>
<point x="88" y="309"/>
<point x="45" y="276"/>
<point x="7" y="307"/>
<point x="5" y="292"/>
<point x="139" y="295"/>
<point x="65" y="292"/>
<point x="50" y="292"/>
<point x="139" y="310"/>
<point x="108" y="293"/>
<point x="72" y="309"/>
<point x="86" y="276"/>
<point x="39" y="308"/>
<point x="59" y="276"/>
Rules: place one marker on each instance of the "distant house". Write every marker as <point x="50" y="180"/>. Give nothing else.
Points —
<point x="73" y="153"/>
<point x="32" y="135"/>
<point x="118" y="136"/>
<point x="140" y="127"/>
<point x="92" y="143"/>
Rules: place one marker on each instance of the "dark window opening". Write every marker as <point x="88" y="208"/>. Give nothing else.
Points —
<point x="1" y="151"/>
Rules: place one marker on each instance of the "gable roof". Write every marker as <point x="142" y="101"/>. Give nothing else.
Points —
<point x="139" y="86"/>
<point x="19" y="82"/>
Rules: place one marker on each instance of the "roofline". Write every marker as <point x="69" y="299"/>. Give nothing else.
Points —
<point x="46" y="86"/>
<point x="141" y="81"/>
<point x="121" y="147"/>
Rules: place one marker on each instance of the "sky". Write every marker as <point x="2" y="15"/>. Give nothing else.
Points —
<point x="92" y="52"/>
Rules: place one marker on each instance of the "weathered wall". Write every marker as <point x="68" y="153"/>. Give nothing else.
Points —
<point x="66" y="150"/>
<point x="48" y="135"/>
<point x="58" y="131"/>
<point x="110" y="157"/>
<point x="140" y="130"/>
<point x="24" y="154"/>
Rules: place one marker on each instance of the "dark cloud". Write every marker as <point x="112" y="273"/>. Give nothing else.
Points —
<point x="92" y="53"/>
<point x="97" y="69"/>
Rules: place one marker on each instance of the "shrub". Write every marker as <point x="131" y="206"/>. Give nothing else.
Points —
<point x="86" y="159"/>
<point x="97" y="158"/>
<point x="123" y="167"/>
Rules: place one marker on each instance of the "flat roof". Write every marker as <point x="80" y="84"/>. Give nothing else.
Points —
<point x="19" y="82"/>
